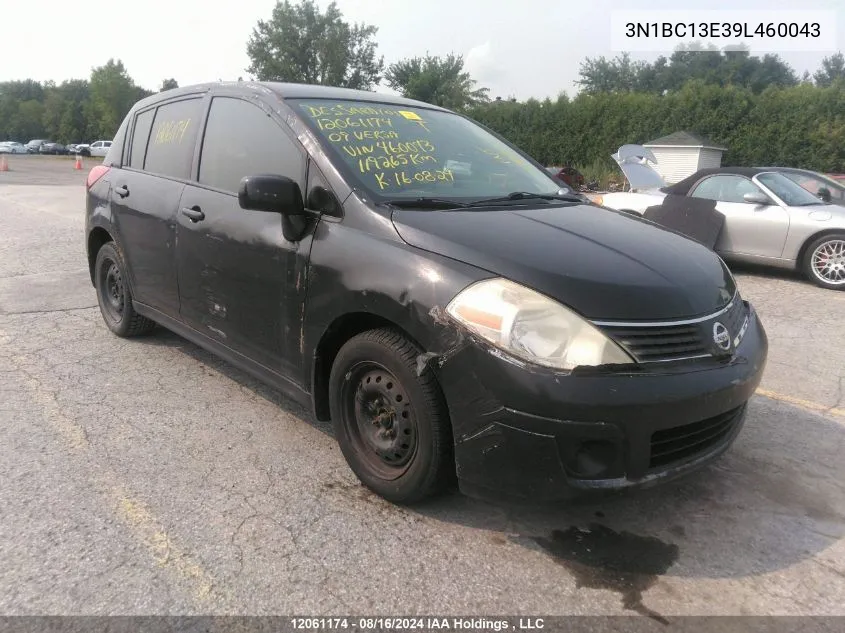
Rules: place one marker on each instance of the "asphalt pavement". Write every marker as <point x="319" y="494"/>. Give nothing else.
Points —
<point x="148" y="477"/>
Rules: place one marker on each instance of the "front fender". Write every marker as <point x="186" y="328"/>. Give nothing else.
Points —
<point x="354" y="272"/>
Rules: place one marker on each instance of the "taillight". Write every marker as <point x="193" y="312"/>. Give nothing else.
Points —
<point x="95" y="174"/>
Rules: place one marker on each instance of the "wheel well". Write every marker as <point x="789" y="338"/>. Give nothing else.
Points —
<point x="335" y="336"/>
<point x="799" y="261"/>
<point x="96" y="239"/>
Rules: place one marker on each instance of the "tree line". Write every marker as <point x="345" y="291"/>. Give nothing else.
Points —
<point x="74" y="111"/>
<point x="801" y="125"/>
<point x="757" y="107"/>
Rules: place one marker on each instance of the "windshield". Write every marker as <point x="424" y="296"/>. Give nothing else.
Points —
<point x="396" y="152"/>
<point x="815" y="182"/>
<point x="792" y="194"/>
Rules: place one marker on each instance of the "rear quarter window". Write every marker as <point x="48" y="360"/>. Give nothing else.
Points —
<point x="174" y="132"/>
<point x="113" y="156"/>
<point x="143" y="124"/>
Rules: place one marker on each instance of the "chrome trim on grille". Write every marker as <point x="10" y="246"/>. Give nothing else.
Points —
<point x="665" y="323"/>
<point x="670" y="360"/>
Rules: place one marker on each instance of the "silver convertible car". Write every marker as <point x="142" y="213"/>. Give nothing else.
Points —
<point x="768" y="218"/>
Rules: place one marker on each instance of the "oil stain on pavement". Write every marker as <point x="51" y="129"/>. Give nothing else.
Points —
<point x="600" y="558"/>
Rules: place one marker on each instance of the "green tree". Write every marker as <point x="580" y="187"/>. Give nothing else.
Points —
<point x="28" y="122"/>
<point x="19" y="122"/>
<point x="735" y="67"/>
<point x="302" y="45"/>
<point x="72" y="125"/>
<point x="833" y="68"/>
<point x="441" y="81"/>
<point x="54" y="105"/>
<point x="113" y="93"/>
<point x="168" y="84"/>
<point x="619" y="74"/>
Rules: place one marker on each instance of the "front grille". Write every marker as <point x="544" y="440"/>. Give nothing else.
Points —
<point x="667" y="341"/>
<point x="648" y="344"/>
<point x="683" y="442"/>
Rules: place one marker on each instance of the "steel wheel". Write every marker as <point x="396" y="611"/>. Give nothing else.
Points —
<point x="390" y="420"/>
<point x="827" y="262"/>
<point x="383" y="427"/>
<point x="112" y="289"/>
<point x="114" y="294"/>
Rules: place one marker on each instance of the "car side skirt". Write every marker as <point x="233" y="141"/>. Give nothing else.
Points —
<point x="266" y="375"/>
<point x="776" y="262"/>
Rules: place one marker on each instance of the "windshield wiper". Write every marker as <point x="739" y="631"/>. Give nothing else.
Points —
<point x="525" y="195"/>
<point x="446" y="203"/>
<point x="427" y="203"/>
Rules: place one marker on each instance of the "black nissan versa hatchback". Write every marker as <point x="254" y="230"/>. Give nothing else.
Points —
<point x="426" y="286"/>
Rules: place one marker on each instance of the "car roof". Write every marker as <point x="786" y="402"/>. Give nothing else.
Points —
<point x="289" y="91"/>
<point x="682" y="188"/>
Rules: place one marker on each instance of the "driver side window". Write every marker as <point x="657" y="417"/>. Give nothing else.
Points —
<point x="726" y="188"/>
<point x="242" y="140"/>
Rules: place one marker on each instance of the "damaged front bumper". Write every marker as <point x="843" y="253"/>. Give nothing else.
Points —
<point x="524" y="432"/>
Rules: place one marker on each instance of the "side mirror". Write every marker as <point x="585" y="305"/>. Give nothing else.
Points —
<point x="271" y="193"/>
<point x="756" y="197"/>
<point x="824" y="194"/>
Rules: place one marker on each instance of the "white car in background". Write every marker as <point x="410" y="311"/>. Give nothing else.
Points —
<point x="99" y="148"/>
<point x="644" y="183"/>
<point x="768" y="219"/>
<point x="12" y="147"/>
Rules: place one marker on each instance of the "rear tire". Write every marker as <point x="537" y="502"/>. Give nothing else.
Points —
<point x="824" y="261"/>
<point x="114" y="295"/>
<point x="391" y="424"/>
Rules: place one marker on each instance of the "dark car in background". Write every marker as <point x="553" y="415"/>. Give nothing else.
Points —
<point x="50" y="147"/>
<point x="34" y="145"/>
<point x="424" y="284"/>
<point x="570" y="176"/>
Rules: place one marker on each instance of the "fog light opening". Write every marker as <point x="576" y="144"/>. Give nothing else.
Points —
<point x="594" y="458"/>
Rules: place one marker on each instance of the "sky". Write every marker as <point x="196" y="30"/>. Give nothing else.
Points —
<point x="516" y="48"/>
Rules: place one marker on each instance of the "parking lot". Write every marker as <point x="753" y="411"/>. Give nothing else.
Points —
<point x="148" y="477"/>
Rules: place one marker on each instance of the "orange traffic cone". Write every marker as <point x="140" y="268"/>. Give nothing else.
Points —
<point x="4" y="166"/>
<point x="78" y="164"/>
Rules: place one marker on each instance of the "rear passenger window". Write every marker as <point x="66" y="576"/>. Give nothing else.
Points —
<point x="174" y="133"/>
<point x="143" y="123"/>
<point x="242" y="140"/>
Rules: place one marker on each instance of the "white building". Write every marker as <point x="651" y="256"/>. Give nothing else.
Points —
<point x="681" y="154"/>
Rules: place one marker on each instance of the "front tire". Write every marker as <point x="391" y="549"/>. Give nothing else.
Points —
<point x="824" y="261"/>
<point x="391" y="424"/>
<point x="114" y="295"/>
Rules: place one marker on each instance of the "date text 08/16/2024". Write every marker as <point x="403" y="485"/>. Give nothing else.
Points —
<point x="416" y="623"/>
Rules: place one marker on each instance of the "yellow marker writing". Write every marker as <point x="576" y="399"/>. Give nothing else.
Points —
<point x="412" y="116"/>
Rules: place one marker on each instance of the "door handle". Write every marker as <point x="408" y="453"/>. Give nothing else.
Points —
<point x="194" y="213"/>
<point x="122" y="191"/>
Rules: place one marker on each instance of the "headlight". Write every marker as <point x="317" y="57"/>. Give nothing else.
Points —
<point x="532" y="327"/>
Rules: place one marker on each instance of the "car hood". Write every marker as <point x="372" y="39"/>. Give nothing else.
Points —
<point x="601" y="263"/>
<point x="634" y="161"/>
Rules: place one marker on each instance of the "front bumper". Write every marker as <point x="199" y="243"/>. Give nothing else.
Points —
<point x="530" y="433"/>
